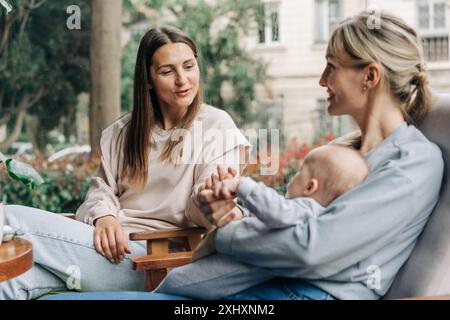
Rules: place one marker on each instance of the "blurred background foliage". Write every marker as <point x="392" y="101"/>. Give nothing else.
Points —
<point x="67" y="181"/>
<point x="65" y="187"/>
<point x="45" y="75"/>
<point x="216" y="29"/>
<point x="44" y="66"/>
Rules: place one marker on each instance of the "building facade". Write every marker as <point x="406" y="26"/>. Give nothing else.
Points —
<point x="292" y="41"/>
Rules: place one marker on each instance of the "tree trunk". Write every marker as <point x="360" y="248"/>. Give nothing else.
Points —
<point x="36" y="136"/>
<point x="4" y="145"/>
<point x="105" y="52"/>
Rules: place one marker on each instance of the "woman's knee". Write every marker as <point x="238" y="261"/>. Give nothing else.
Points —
<point x="35" y="221"/>
<point x="14" y="213"/>
<point x="17" y="214"/>
<point x="13" y="210"/>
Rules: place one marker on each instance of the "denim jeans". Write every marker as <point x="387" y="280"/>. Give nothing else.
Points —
<point x="65" y="258"/>
<point x="282" y="289"/>
<point x="275" y="289"/>
<point x="219" y="276"/>
<point x="114" y="296"/>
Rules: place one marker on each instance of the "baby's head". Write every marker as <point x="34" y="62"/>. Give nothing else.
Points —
<point x="327" y="172"/>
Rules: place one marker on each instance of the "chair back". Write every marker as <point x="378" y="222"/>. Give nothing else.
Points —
<point x="427" y="271"/>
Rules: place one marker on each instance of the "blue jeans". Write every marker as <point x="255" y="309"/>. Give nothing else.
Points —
<point x="65" y="258"/>
<point x="124" y="295"/>
<point x="275" y="289"/>
<point x="282" y="289"/>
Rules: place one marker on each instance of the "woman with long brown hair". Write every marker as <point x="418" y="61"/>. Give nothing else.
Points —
<point x="154" y="161"/>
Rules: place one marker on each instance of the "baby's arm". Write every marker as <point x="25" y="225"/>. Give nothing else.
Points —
<point x="273" y="209"/>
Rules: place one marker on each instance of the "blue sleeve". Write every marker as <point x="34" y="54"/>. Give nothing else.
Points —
<point x="274" y="210"/>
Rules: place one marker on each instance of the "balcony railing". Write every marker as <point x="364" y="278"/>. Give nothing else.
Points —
<point x="435" y="48"/>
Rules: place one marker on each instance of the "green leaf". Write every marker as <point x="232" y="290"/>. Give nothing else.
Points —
<point x="24" y="173"/>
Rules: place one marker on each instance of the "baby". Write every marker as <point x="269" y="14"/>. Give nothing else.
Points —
<point x="326" y="173"/>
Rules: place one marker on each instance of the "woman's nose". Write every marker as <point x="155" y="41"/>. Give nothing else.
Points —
<point x="323" y="79"/>
<point x="181" y="78"/>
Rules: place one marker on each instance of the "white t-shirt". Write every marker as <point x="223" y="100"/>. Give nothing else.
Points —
<point x="168" y="199"/>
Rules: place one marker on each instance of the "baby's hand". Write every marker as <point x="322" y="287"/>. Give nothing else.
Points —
<point x="221" y="175"/>
<point x="226" y="189"/>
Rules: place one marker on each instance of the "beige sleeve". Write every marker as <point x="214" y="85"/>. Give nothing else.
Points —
<point x="102" y="197"/>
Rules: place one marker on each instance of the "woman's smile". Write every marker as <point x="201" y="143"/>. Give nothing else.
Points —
<point x="183" y="93"/>
<point x="330" y="96"/>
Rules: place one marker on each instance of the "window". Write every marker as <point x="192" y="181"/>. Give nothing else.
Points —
<point x="268" y="22"/>
<point x="334" y="14"/>
<point x="325" y="123"/>
<point x="424" y="15"/>
<point x="270" y="114"/>
<point x="433" y="27"/>
<point x="439" y="15"/>
<point x="327" y="15"/>
<point x="338" y="125"/>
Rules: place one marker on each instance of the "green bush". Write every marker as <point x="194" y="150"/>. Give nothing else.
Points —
<point x="67" y="182"/>
<point x="65" y="187"/>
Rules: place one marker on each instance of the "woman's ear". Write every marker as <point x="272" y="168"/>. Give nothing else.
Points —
<point x="311" y="187"/>
<point x="373" y="75"/>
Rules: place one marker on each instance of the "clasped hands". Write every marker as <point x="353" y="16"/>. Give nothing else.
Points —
<point x="216" y="197"/>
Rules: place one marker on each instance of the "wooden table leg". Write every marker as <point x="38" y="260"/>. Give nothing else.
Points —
<point x="154" y="277"/>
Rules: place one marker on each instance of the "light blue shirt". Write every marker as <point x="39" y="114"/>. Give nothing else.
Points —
<point x="357" y="246"/>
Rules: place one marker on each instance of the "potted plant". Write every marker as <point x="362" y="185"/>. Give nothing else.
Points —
<point x="21" y="172"/>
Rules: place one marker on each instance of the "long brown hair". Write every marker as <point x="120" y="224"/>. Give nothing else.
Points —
<point x="146" y="110"/>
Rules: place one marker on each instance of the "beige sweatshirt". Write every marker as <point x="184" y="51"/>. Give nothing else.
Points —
<point x="168" y="198"/>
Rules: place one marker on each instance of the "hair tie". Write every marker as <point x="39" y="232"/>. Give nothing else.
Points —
<point x="420" y="79"/>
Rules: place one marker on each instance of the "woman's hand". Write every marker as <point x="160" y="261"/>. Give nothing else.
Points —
<point x="109" y="240"/>
<point x="218" y="211"/>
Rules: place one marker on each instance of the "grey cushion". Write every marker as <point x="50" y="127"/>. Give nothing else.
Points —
<point x="427" y="271"/>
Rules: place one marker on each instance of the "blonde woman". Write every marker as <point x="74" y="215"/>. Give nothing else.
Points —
<point x="154" y="162"/>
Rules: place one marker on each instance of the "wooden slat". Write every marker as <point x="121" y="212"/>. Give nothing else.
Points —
<point x="150" y="235"/>
<point x="158" y="246"/>
<point x="162" y="261"/>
